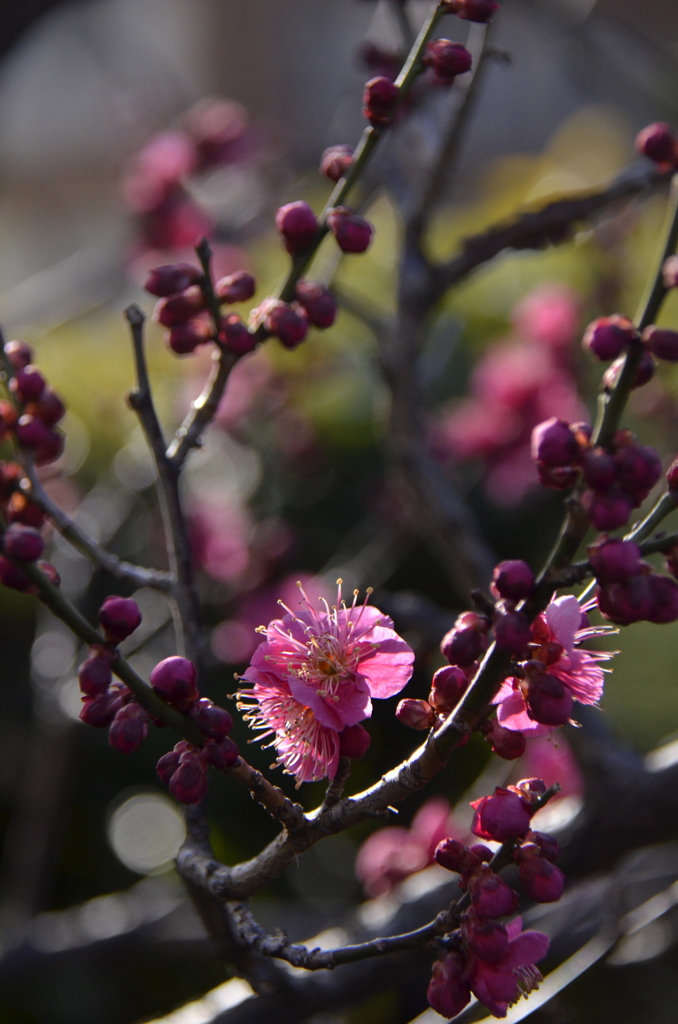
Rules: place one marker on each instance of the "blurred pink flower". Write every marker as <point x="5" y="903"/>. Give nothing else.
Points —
<point x="394" y="853"/>
<point x="219" y="532"/>
<point x="518" y="382"/>
<point x="315" y="675"/>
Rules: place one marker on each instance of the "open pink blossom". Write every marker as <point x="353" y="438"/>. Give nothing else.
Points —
<point x="556" y="634"/>
<point x="315" y="675"/>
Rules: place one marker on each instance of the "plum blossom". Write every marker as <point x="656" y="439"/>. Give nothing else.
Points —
<point x="315" y="675"/>
<point x="556" y="634"/>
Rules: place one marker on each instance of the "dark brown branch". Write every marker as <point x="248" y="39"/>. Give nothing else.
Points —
<point x="534" y="230"/>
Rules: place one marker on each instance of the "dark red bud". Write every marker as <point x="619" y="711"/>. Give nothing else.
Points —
<point x="609" y="510"/>
<point x="352" y="233"/>
<point x="454" y="856"/>
<point x="22" y="543"/>
<point x="448" y="686"/>
<point x="447" y="59"/>
<point x="188" y="784"/>
<point x="28" y="384"/>
<point x="554" y="444"/>
<point x="479" y="11"/>
<point x="237" y="287"/>
<point x="608" y="336"/>
<point x="128" y="729"/>
<point x="645" y="371"/>
<point x="512" y="632"/>
<point x="335" y="162"/>
<point x="490" y="894"/>
<point x="212" y="720"/>
<point x="221" y="754"/>
<point x="95" y="676"/>
<point x="179" y="309"/>
<point x="286" y="323"/>
<point x="19" y="354"/>
<point x="15" y="578"/>
<point x="615" y="560"/>
<point x="505" y="815"/>
<point x="662" y="343"/>
<point x="549" y="701"/>
<point x="119" y="617"/>
<point x="416" y="714"/>
<point x="100" y="711"/>
<point x="185" y="338"/>
<point x="318" y="302"/>
<point x="174" y="679"/>
<point x="658" y="143"/>
<point x="505" y="743"/>
<point x="167" y="765"/>
<point x="234" y="335"/>
<point x="298" y="225"/>
<point x="49" y="408"/>
<point x="354" y="741"/>
<point x="170" y="279"/>
<point x="513" y="580"/>
<point x="542" y="881"/>
<point x="380" y="98"/>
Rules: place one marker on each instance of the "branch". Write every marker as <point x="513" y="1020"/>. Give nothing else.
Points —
<point x="137" y="575"/>
<point x="534" y="230"/>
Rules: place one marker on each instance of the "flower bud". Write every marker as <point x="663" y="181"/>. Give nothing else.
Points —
<point x="599" y="469"/>
<point x="454" y="856"/>
<point x="472" y="10"/>
<point x="180" y="308"/>
<point x="188" y="783"/>
<point x="513" y="580"/>
<point x="549" y="701"/>
<point x="546" y="843"/>
<point x="638" y="469"/>
<point x="185" y="338"/>
<point x="542" y="881"/>
<point x="448" y="991"/>
<point x="505" y="743"/>
<point x="237" y="287"/>
<point x="221" y="754"/>
<point x="502" y="816"/>
<point x="95" y="676"/>
<point x="335" y="162"/>
<point x="417" y="714"/>
<point x="627" y="602"/>
<point x="554" y="444"/>
<point x="380" y="98"/>
<point x="663" y="599"/>
<point x="100" y="711"/>
<point x="167" y="765"/>
<point x="353" y="233"/>
<point x="318" y="302"/>
<point x="608" y="511"/>
<point x="658" y="143"/>
<point x="50" y="573"/>
<point x="354" y="741"/>
<point x="512" y="632"/>
<point x="289" y="324"/>
<point x="608" y="336"/>
<point x="128" y="729"/>
<point x="170" y="279"/>
<point x="212" y="720"/>
<point x="28" y="384"/>
<point x="447" y="59"/>
<point x="491" y="896"/>
<point x="298" y="225"/>
<point x="21" y="509"/>
<point x="15" y="578"/>
<point x="31" y="432"/>
<point x="645" y="371"/>
<point x="465" y="643"/>
<point x="174" y="679"/>
<point x="662" y="343"/>
<point x="19" y="354"/>
<point x="615" y="560"/>
<point x="119" y="617"/>
<point x="22" y="543"/>
<point x="448" y="686"/>
<point x="234" y="335"/>
<point x="48" y="407"/>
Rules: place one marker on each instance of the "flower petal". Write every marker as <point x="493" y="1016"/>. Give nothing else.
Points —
<point x="564" y="618"/>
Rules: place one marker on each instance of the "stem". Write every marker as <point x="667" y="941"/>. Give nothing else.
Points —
<point x="187" y="612"/>
<point x="611" y="404"/>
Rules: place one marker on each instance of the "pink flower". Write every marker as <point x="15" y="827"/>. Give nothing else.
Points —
<point x="556" y="634"/>
<point x="315" y="674"/>
<point x="498" y="985"/>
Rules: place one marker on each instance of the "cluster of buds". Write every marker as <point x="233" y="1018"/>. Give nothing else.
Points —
<point x="629" y="590"/>
<point x="483" y="956"/>
<point x="109" y="704"/>
<point x="617" y="478"/>
<point x="480" y="11"/>
<point x="610" y="337"/>
<point x="659" y="143"/>
<point x="32" y="417"/>
<point x="21" y="543"/>
<point x="184" y="768"/>
<point x="183" y="308"/>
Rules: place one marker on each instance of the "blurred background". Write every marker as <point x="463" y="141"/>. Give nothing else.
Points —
<point x="128" y="128"/>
